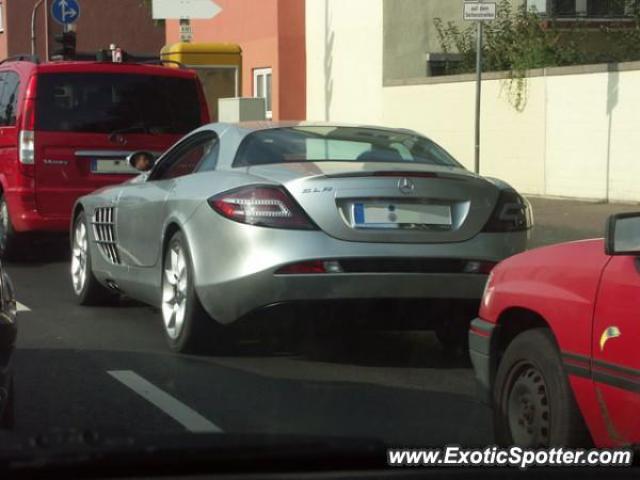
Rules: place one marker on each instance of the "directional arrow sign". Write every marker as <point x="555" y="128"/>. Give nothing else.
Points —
<point x="184" y="9"/>
<point x="65" y="11"/>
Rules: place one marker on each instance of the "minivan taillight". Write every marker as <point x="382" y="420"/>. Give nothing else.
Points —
<point x="511" y="214"/>
<point x="265" y="206"/>
<point x="27" y="147"/>
<point x="27" y="137"/>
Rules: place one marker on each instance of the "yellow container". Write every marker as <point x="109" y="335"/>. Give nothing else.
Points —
<point x="219" y="66"/>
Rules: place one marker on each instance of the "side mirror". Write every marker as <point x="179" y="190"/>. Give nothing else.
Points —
<point x="623" y="234"/>
<point x="142" y="161"/>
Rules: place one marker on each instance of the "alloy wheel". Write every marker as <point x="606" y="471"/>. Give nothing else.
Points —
<point x="79" y="256"/>
<point x="174" y="291"/>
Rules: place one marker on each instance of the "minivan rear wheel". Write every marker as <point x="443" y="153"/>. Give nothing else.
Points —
<point x="10" y="240"/>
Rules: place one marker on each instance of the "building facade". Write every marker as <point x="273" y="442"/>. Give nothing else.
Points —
<point x="412" y="47"/>
<point x="271" y="34"/>
<point x="127" y="23"/>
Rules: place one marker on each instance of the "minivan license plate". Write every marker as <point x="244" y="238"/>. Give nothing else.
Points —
<point x="112" y="166"/>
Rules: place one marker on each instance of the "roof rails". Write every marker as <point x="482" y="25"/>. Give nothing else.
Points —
<point x="159" y="61"/>
<point x="22" y="58"/>
<point x="105" y="56"/>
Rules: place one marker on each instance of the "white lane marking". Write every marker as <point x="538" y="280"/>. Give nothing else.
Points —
<point x="22" y="307"/>
<point x="184" y="415"/>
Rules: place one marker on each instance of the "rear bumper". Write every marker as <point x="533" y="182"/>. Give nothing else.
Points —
<point x="25" y="218"/>
<point x="481" y="334"/>
<point x="229" y="301"/>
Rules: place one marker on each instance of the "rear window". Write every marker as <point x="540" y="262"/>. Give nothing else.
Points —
<point x="108" y="103"/>
<point x="344" y="144"/>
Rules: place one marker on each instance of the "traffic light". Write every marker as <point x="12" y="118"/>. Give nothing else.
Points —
<point x="67" y="42"/>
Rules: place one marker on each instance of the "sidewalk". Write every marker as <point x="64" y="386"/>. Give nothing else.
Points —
<point x="560" y="220"/>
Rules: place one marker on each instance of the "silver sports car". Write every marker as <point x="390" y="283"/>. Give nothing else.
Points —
<point x="236" y="221"/>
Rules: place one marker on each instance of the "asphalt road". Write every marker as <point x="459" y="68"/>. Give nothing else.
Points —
<point x="108" y="369"/>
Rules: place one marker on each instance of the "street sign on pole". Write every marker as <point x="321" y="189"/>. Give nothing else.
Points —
<point x="65" y="12"/>
<point x="479" y="11"/>
<point x="184" y="9"/>
<point x="186" y="32"/>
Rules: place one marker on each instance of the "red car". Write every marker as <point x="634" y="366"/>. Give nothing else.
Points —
<point x="66" y="128"/>
<point x="556" y="347"/>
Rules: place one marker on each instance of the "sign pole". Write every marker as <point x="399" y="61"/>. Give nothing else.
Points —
<point x="478" y="94"/>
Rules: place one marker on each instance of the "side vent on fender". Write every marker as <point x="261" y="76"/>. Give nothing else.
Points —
<point x="104" y="222"/>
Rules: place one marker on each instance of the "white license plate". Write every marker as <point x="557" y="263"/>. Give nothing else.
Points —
<point x="392" y="215"/>
<point x="112" y="166"/>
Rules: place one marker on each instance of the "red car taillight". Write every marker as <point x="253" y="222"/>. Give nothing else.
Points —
<point x="27" y="138"/>
<point x="264" y="206"/>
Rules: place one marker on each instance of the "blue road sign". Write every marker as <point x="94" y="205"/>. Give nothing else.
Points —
<point x="65" y="11"/>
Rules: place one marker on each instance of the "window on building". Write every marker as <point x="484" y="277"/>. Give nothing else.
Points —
<point x="1" y="17"/>
<point x="538" y="6"/>
<point x="607" y="8"/>
<point x="262" y="87"/>
<point x="584" y="8"/>
<point x="439" y="64"/>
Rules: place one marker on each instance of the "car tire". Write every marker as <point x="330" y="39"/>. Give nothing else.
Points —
<point x="533" y="403"/>
<point x="186" y="325"/>
<point x="8" y="418"/>
<point x="10" y="240"/>
<point x="87" y="289"/>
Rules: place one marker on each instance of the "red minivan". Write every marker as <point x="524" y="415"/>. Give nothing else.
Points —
<point x="67" y="127"/>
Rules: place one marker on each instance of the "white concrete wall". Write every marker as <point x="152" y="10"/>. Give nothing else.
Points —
<point x="577" y="137"/>
<point x="512" y="146"/>
<point x="344" y="60"/>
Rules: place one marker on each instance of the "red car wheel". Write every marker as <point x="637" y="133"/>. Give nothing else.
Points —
<point x="534" y="405"/>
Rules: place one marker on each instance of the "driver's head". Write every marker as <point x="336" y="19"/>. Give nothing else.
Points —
<point x="142" y="162"/>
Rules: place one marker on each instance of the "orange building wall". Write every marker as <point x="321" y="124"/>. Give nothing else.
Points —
<point x="292" y="59"/>
<point x="257" y="26"/>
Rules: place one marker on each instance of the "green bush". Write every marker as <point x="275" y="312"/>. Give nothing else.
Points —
<point x="520" y="40"/>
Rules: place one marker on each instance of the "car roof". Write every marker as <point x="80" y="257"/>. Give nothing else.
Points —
<point x="255" y="126"/>
<point x="76" y="66"/>
<point x="107" y="67"/>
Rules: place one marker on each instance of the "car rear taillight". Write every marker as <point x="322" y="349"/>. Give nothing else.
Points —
<point x="27" y="137"/>
<point x="511" y="214"/>
<point x="264" y="206"/>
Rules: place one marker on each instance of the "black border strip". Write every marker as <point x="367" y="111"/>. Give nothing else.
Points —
<point x="615" y="381"/>
<point x="616" y="376"/>
<point x="616" y="368"/>
<point x="579" y="365"/>
<point x="577" y="371"/>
